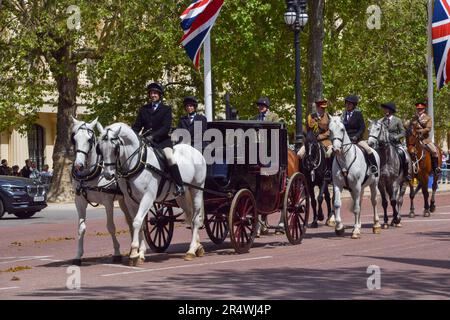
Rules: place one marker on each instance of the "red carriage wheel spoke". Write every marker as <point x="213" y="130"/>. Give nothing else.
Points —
<point x="242" y="219"/>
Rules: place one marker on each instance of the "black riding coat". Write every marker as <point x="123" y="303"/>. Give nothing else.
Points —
<point x="156" y="124"/>
<point x="354" y="126"/>
<point x="185" y="123"/>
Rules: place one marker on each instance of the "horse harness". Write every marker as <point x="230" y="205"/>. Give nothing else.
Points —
<point x="142" y="164"/>
<point x="82" y="189"/>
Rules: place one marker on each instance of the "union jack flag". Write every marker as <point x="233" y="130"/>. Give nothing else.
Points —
<point x="441" y="41"/>
<point x="196" y="22"/>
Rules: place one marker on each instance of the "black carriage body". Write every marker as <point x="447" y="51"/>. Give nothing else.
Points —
<point x="241" y="163"/>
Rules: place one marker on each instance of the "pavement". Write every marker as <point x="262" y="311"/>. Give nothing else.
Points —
<point x="413" y="261"/>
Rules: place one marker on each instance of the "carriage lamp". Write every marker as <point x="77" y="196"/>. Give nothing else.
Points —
<point x="296" y="18"/>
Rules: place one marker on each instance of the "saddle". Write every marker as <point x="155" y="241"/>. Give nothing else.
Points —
<point x="366" y="158"/>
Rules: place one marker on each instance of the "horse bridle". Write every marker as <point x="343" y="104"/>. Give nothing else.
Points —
<point x="116" y="149"/>
<point x="381" y="145"/>
<point x="91" y="140"/>
<point x="318" y="160"/>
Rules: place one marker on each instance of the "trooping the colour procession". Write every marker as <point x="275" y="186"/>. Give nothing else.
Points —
<point x="220" y="160"/>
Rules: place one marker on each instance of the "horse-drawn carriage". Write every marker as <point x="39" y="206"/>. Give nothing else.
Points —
<point x="248" y="178"/>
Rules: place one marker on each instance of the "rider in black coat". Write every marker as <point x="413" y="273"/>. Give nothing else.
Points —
<point x="355" y="126"/>
<point x="188" y="121"/>
<point x="155" y="121"/>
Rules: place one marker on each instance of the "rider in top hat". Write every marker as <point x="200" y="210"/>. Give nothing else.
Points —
<point x="187" y="122"/>
<point x="354" y="125"/>
<point x="265" y="114"/>
<point x="423" y="124"/>
<point x="396" y="133"/>
<point x="155" y="121"/>
<point x="319" y="123"/>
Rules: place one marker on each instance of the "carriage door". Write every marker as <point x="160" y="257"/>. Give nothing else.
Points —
<point x="36" y="145"/>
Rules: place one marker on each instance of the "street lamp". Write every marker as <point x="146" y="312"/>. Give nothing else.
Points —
<point x="296" y="18"/>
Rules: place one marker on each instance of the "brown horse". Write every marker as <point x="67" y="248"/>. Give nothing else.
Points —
<point x="293" y="163"/>
<point x="422" y="170"/>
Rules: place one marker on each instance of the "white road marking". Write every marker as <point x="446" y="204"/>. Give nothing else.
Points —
<point x="25" y="259"/>
<point x="9" y="288"/>
<point x="426" y="220"/>
<point x="121" y="266"/>
<point x="52" y="260"/>
<point x="187" y="266"/>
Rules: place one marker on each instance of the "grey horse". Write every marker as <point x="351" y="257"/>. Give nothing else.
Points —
<point x="392" y="180"/>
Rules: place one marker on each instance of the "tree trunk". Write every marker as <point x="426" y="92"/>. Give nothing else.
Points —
<point x="315" y="53"/>
<point x="67" y="81"/>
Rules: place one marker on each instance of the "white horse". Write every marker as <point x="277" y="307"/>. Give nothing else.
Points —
<point x="349" y="170"/>
<point x="139" y="180"/>
<point x="91" y="187"/>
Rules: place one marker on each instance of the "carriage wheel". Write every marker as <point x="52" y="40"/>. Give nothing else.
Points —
<point x="216" y="225"/>
<point x="158" y="227"/>
<point x="295" y="211"/>
<point x="242" y="220"/>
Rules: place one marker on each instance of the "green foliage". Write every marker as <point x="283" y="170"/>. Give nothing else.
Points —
<point x="252" y="55"/>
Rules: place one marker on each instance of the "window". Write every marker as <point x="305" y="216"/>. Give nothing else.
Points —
<point x="36" y="145"/>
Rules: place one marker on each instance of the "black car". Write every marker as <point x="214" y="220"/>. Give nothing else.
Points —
<point x="21" y="196"/>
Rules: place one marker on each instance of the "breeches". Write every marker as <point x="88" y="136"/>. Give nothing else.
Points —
<point x="432" y="148"/>
<point x="363" y="144"/>
<point x="328" y="151"/>
<point x="168" y="152"/>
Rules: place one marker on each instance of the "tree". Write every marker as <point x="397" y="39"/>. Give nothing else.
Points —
<point x="42" y="51"/>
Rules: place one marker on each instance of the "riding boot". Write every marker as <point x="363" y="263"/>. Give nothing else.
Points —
<point x="176" y="176"/>
<point x="373" y="168"/>
<point x="405" y="163"/>
<point x="434" y="165"/>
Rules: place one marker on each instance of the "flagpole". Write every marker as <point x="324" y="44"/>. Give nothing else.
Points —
<point x="430" y="67"/>
<point x="207" y="77"/>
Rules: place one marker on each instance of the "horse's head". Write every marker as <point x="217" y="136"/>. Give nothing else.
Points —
<point x="337" y="133"/>
<point x="411" y="138"/>
<point x="312" y="149"/>
<point x="83" y="139"/>
<point x="378" y="134"/>
<point x="109" y="147"/>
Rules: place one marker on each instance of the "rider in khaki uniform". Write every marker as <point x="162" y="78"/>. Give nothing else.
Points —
<point x="422" y="124"/>
<point x="319" y="122"/>
<point x="354" y="125"/>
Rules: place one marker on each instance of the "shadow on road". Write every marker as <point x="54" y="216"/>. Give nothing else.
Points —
<point x="274" y="283"/>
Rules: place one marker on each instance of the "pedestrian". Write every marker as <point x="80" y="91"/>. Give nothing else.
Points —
<point x="26" y="170"/>
<point x="445" y="166"/>
<point x="34" y="174"/>
<point x="46" y="175"/>
<point x="15" y="171"/>
<point x="4" y="169"/>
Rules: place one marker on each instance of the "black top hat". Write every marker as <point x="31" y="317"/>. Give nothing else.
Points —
<point x="390" y="106"/>
<point x="353" y="99"/>
<point x="155" y="87"/>
<point x="263" y="101"/>
<point x="190" y="100"/>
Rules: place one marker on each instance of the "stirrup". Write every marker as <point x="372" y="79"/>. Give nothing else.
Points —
<point x="327" y="175"/>
<point x="373" y="169"/>
<point x="179" y="191"/>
